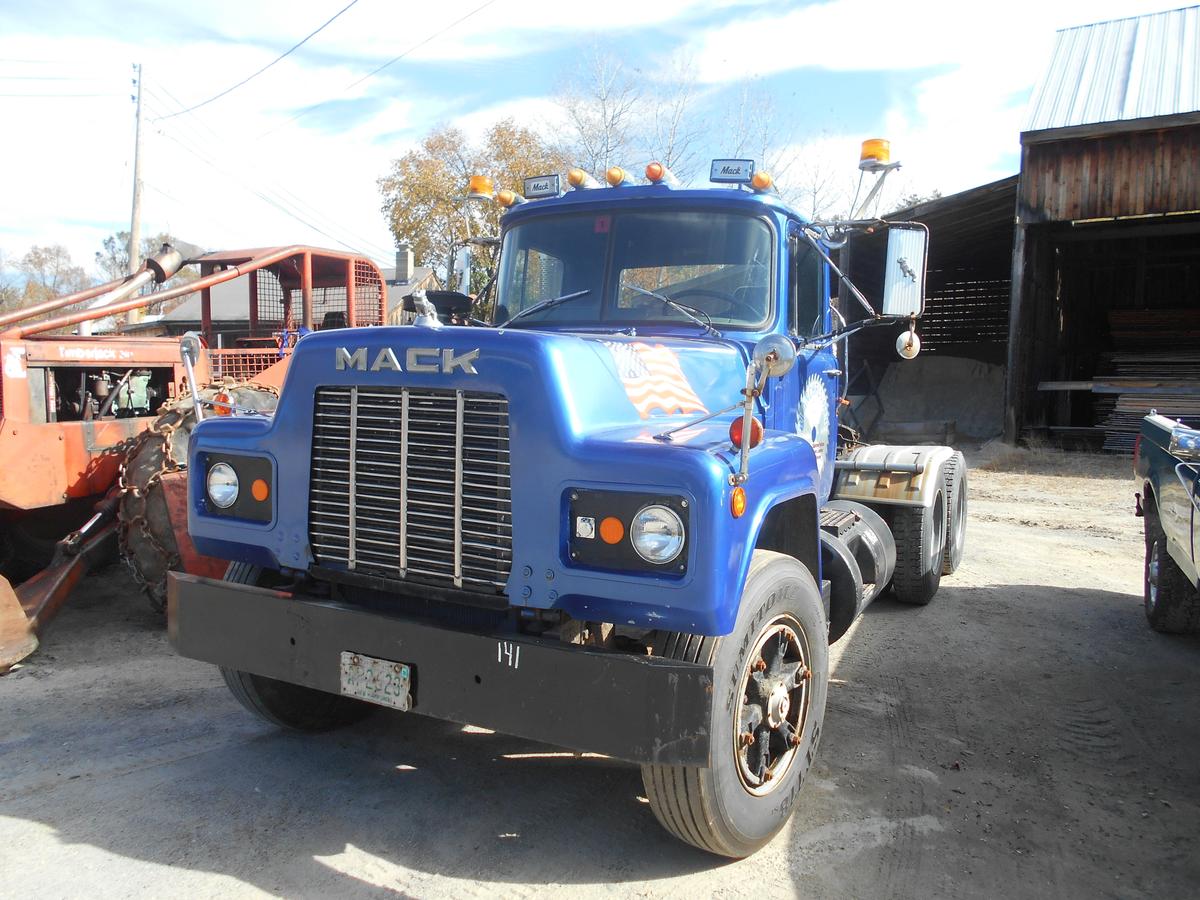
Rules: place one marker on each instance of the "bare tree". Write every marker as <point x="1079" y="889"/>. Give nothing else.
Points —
<point x="10" y="291"/>
<point x="601" y="102"/>
<point x="673" y="131"/>
<point x="753" y="129"/>
<point x="50" y="271"/>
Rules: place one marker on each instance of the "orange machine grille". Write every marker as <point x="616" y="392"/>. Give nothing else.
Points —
<point x="369" y="297"/>
<point x="241" y="364"/>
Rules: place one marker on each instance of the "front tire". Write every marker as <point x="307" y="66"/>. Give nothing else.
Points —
<point x="283" y="704"/>
<point x="771" y="675"/>
<point x="1172" y="604"/>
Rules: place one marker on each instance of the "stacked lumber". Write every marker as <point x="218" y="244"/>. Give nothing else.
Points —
<point x="1155" y="366"/>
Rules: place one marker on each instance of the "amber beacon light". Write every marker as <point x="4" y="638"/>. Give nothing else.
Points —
<point x="480" y="187"/>
<point x="876" y="154"/>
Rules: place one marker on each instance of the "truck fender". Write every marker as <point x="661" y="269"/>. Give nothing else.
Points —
<point x="884" y="474"/>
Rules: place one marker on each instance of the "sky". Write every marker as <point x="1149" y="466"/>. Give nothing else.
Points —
<point x="293" y="155"/>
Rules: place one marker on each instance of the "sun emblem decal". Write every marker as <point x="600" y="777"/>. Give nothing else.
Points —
<point x="812" y="417"/>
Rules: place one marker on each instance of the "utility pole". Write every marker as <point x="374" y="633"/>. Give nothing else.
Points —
<point x="135" y="220"/>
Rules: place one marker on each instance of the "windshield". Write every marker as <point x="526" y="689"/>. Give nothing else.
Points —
<point x="716" y="264"/>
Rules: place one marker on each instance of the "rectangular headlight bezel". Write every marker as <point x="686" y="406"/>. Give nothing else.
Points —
<point x="248" y="468"/>
<point x="595" y="553"/>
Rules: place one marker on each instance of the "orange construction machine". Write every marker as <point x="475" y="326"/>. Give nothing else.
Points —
<point x="93" y="429"/>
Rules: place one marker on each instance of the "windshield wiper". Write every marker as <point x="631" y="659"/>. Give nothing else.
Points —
<point x="690" y="312"/>
<point x="544" y="304"/>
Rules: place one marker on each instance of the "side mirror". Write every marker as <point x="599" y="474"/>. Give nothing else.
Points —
<point x="190" y="348"/>
<point x="774" y="355"/>
<point x="904" y="272"/>
<point x="460" y="275"/>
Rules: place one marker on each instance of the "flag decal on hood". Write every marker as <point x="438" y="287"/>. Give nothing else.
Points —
<point x="653" y="379"/>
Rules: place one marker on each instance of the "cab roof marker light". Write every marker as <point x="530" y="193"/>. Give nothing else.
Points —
<point x="762" y="181"/>
<point x="581" y="181"/>
<point x="508" y="199"/>
<point x="657" y="173"/>
<point x="618" y="177"/>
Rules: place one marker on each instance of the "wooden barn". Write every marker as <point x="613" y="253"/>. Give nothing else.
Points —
<point x="1105" y="313"/>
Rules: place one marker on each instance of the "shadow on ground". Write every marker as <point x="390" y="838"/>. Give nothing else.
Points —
<point x="1002" y="735"/>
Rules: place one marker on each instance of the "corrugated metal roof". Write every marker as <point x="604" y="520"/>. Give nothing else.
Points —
<point x="1116" y="71"/>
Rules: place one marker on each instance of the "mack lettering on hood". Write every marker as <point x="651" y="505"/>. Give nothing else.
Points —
<point x="415" y="359"/>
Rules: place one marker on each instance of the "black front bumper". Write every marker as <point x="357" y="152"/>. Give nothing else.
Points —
<point x="638" y="708"/>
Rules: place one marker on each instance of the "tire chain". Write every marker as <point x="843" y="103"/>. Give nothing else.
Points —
<point x="164" y="431"/>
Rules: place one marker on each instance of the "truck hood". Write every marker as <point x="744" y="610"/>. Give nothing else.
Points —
<point x="592" y="383"/>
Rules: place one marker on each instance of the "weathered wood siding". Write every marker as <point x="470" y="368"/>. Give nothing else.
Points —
<point x="1126" y="174"/>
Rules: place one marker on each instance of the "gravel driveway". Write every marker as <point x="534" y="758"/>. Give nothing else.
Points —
<point x="1025" y="735"/>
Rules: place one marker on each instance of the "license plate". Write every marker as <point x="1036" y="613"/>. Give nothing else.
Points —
<point x="380" y="681"/>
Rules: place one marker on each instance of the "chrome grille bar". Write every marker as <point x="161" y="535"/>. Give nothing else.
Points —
<point x="408" y="482"/>
<point x="403" y="482"/>
<point x="458" y="486"/>
<point x="352" y="513"/>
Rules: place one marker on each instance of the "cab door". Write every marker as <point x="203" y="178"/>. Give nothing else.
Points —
<point x="806" y="400"/>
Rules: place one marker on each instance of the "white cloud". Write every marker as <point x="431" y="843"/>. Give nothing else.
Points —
<point x="956" y="129"/>
<point x="866" y="35"/>
<point x="68" y="160"/>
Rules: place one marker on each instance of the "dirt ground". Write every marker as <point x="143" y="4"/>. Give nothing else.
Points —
<point x="1025" y="735"/>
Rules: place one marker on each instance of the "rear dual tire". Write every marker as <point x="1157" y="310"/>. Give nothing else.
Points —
<point x="954" y="474"/>
<point x="920" y="533"/>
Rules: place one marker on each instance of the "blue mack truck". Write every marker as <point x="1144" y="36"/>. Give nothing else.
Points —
<point x="619" y="518"/>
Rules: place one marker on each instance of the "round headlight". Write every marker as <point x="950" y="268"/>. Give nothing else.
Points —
<point x="222" y="485"/>
<point x="657" y="534"/>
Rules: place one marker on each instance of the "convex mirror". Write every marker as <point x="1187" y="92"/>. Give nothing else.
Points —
<point x="904" y="275"/>
<point x="774" y="355"/>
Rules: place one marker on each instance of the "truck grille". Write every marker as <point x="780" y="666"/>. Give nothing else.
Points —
<point x="412" y="484"/>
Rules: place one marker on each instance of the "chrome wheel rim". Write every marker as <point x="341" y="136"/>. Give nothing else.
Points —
<point x="938" y="544"/>
<point x="1152" y="569"/>
<point x="775" y="702"/>
<point x="960" y="516"/>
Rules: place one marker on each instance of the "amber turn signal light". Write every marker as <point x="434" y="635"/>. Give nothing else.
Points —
<point x="259" y="490"/>
<point x="221" y="404"/>
<point x="611" y="530"/>
<point x="737" y="502"/>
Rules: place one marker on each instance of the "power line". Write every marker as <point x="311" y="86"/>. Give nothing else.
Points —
<point x="276" y="193"/>
<point x="57" y="96"/>
<point x="283" y="55"/>
<point x="415" y="47"/>
<point x="275" y="188"/>
<point x="270" y="201"/>
<point x="46" y="78"/>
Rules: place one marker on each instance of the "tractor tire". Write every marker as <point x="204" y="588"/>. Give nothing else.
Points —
<point x="920" y="533"/>
<point x="280" y="703"/>
<point x="954" y="471"/>
<point x="761" y="745"/>
<point x="147" y="536"/>
<point x="1172" y="603"/>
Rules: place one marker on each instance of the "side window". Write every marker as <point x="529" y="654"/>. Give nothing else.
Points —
<point x="805" y="287"/>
